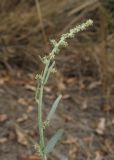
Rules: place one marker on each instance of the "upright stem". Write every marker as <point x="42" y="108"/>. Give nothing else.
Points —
<point x="40" y="117"/>
<point x="39" y="100"/>
<point x="40" y="121"/>
<point x="45" y="157"/>
<point x="43" y="77"/>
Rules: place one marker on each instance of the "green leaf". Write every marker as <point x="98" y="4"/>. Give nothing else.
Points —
<point x="45" y="70"/>
<point x="48" y="72"/>
<point x="52" y="142"/>
<point x="54" y="107"/>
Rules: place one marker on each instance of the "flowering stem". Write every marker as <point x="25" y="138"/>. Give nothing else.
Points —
<point x="49" y="63"/>
<point x="40" y="122"/>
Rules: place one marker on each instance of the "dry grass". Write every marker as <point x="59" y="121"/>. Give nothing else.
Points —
<point x="21" y="37"/>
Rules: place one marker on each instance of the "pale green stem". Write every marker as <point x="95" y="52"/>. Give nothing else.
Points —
<point x="44" y="77"/>
<point x="40" y="121"/>
<point x="40" y="118"/>
<point x="45" y="157"/>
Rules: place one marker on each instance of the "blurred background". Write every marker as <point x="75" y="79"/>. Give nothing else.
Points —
<point x="85" y="77"/>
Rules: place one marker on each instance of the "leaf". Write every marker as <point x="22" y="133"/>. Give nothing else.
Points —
<point x="52" y="142"/>
<point x="101" y="126"/>
<point x="70" y="140"/>
<point x="30" y="109"/>
<point x="94" y="85"/>
<point x="98" y="155"/>
<point x="4" y="79"/>
<point x="21" y="136"/>
<point x="23" y="118"/>
<point x="48" y="72"/>
<point x="31" y="157"/>
<point x="84" y="104"/>
<point x="54" y="107"/>
<point x="30" y="87"/>
<point x="3" y="117"/>
<point x="23" y="101"/>
<point x="3" y="140"/>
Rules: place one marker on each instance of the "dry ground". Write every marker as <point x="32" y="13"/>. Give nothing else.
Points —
<point x="87" y="120"/>
<point x="85" y="76"/>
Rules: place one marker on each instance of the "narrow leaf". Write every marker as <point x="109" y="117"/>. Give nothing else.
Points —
<point x="46" y="69"/>
<point x="52" y="142"/>
<point x="48" y="72"/>
<point x="54" y="107"/>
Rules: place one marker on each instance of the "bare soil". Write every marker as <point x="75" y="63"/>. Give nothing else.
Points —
<point x="85" y="75"/>
<point x="86" y="118"/>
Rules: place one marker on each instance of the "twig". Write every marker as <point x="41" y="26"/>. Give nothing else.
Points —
<point x="41" y="22"/>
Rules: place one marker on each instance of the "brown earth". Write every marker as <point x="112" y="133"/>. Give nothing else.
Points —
<point x="86" y="118"/>
<point x="84" y="77"/>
